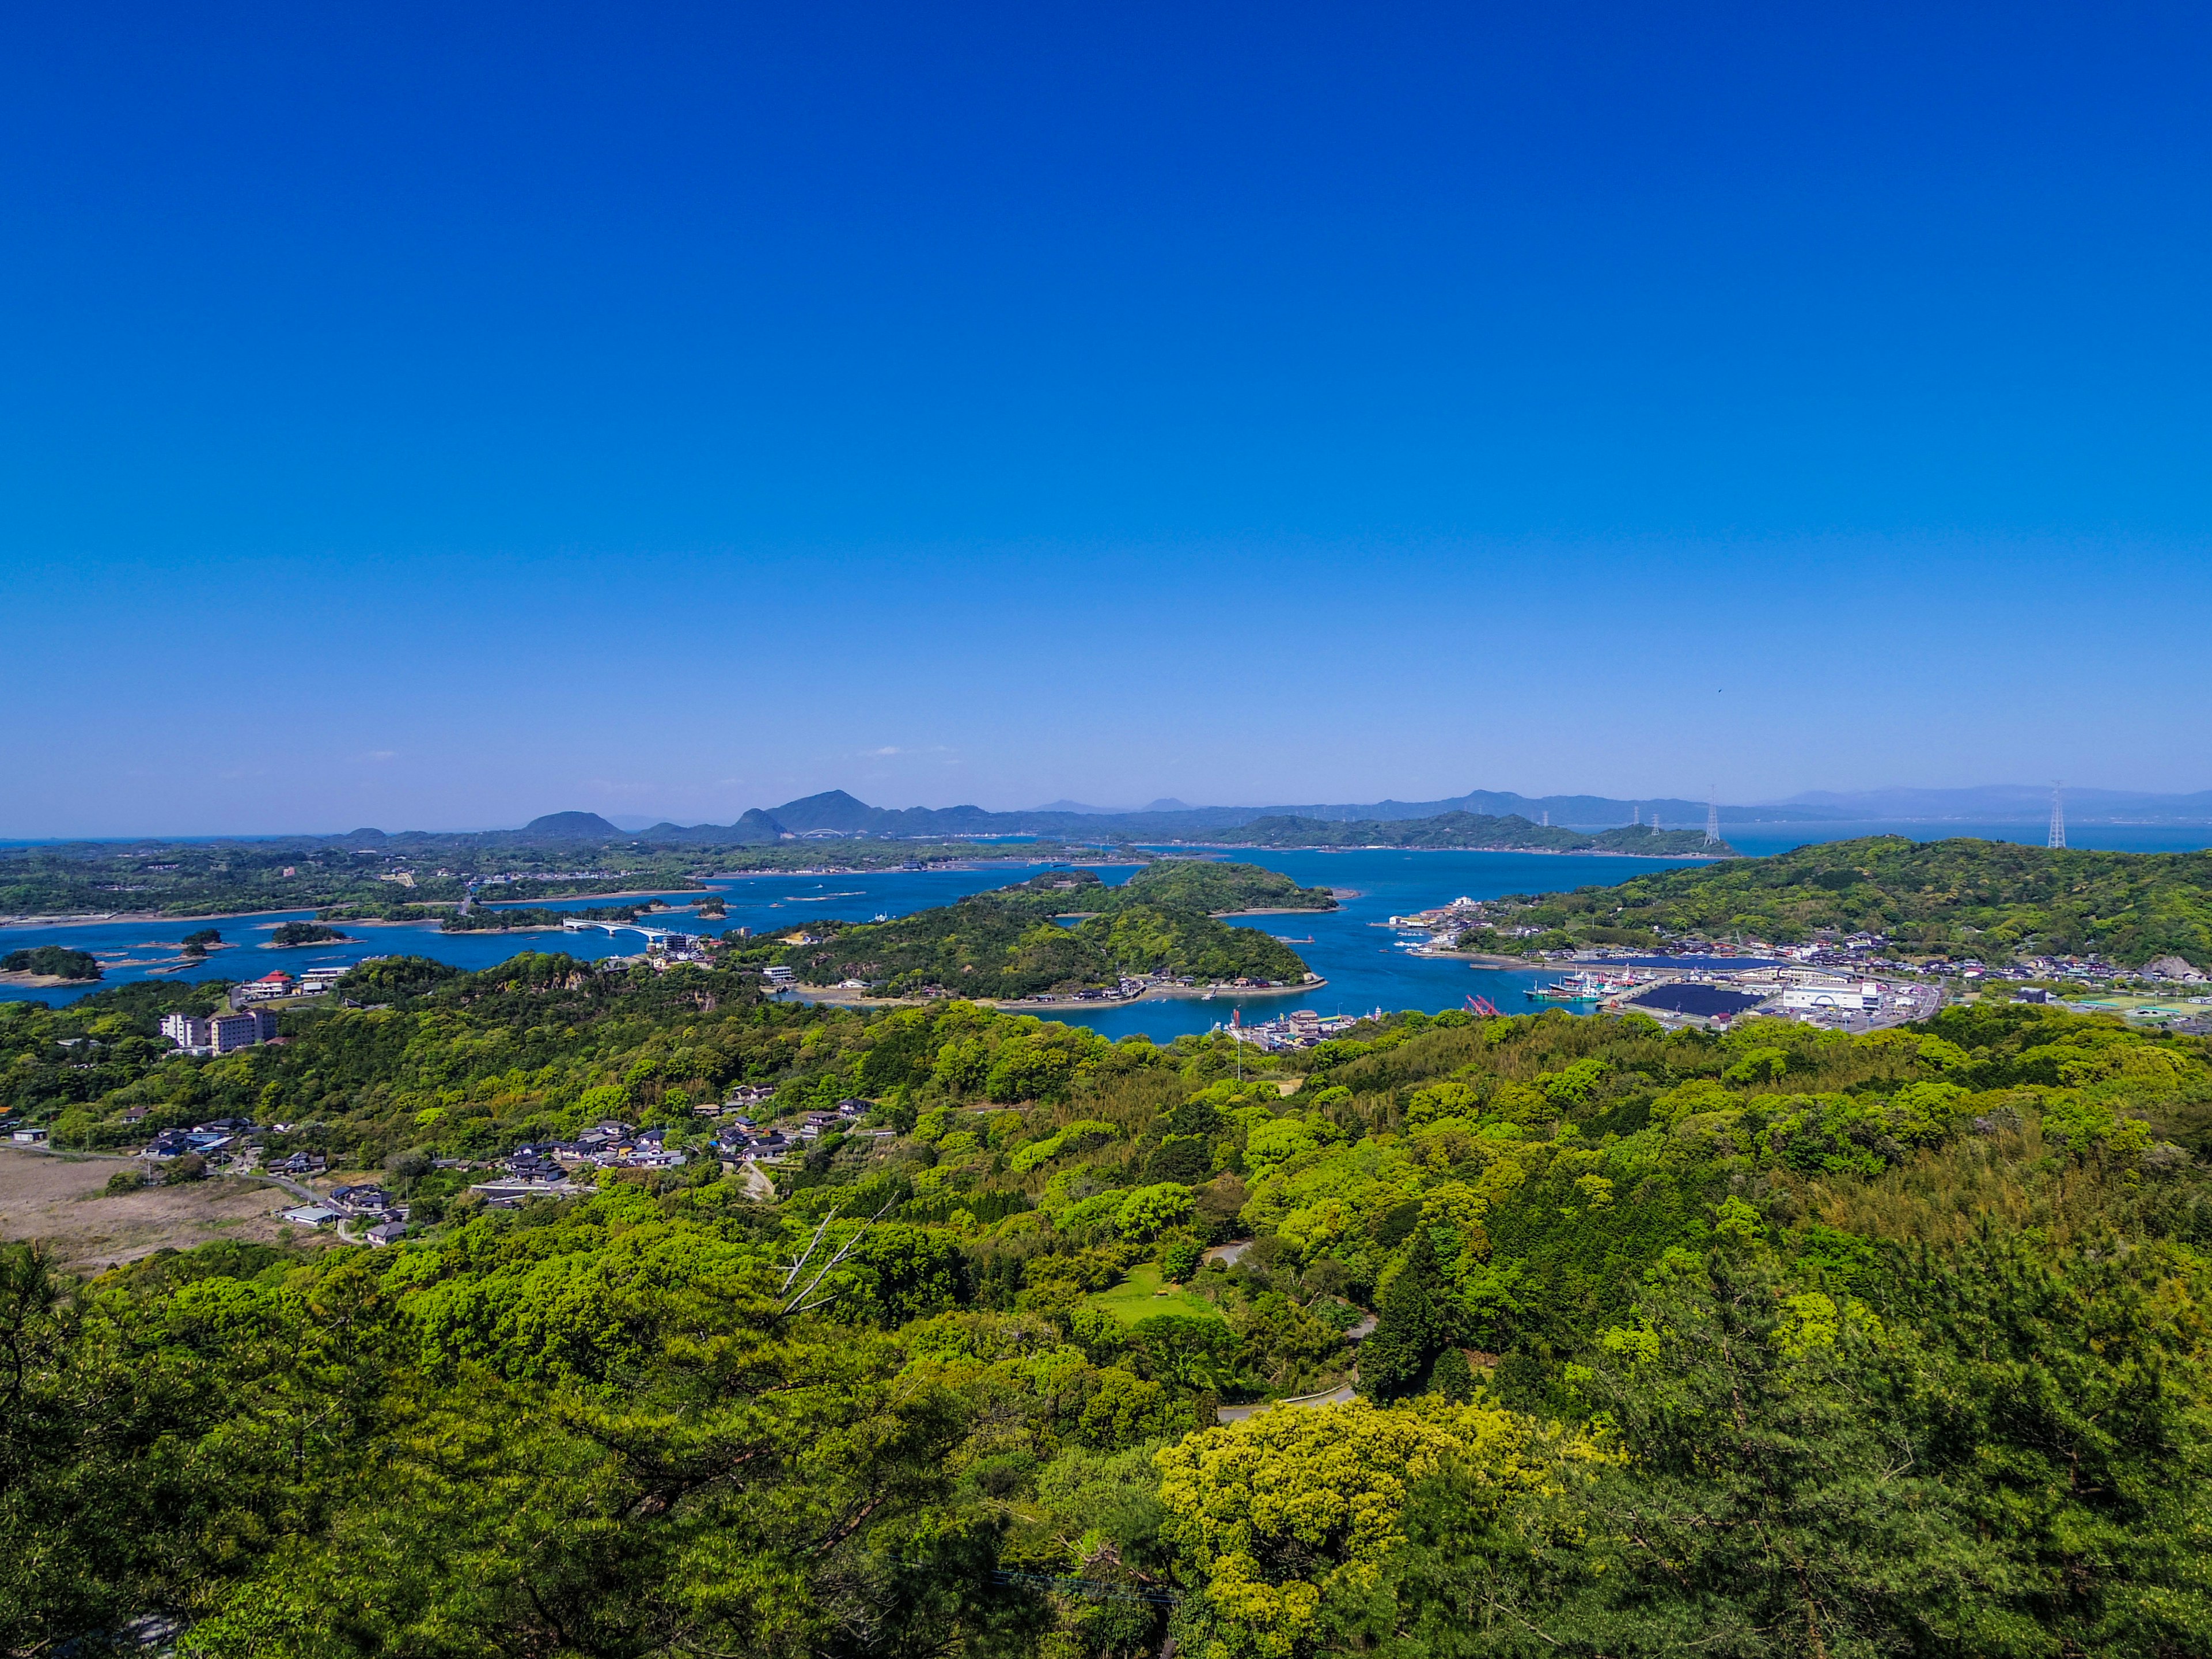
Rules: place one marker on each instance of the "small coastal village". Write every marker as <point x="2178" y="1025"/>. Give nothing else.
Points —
<point x="1841" y="982"/>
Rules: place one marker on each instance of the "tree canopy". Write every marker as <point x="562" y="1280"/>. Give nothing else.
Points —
<point x="1782" y="1342"/>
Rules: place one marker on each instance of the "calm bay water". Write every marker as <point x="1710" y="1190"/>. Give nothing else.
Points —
<point x="1364" y="963"/>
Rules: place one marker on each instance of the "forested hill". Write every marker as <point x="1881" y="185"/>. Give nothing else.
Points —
<point x="1781" y="1342"/>
<point x="1991" y="899"/>
<point x="1005" y="943"/>
<point x="1471" y="830"/>
<point x="1218" y="889"/>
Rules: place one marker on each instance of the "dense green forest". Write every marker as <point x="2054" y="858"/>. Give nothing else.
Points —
<point x="54" y="961"/>
<point x="1991" y="899"/>
<point x="1474" y="831"/>
<point x="1781" y="1342"/>
<point x="1005" y="943"/>
<point x="1217" y="888"/>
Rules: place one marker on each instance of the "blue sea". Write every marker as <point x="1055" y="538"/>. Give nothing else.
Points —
<point x="1366" y="964"/>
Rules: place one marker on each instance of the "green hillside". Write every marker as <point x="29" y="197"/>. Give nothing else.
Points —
<point x="1470" y="831"/>
<point x="1219" y="888"/>
<point x="1005" y="943"/>
<point x="1990" y="899"/>
<point x="1781" y="1342"/>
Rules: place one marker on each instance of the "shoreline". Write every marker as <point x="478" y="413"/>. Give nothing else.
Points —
<point x="839" y="997"/>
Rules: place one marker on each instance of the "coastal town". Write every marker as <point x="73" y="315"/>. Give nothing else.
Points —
<point x="1843" y="982"/>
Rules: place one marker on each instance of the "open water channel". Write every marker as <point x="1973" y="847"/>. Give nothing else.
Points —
<point x="1362" y="959"/>
<point x="1364" y="964"/>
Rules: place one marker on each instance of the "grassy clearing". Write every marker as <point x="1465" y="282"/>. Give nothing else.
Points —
<point x="1140" y="1295"/>
<point x="64" y="1202"/>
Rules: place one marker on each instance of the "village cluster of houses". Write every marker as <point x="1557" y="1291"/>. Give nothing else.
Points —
<point x="605" y="1145"/>
<point x="387" y="1218"/>
<point x="740" y="1137"/>
<point x="1302" y="1028"/>
<point x="217" y="1137"/>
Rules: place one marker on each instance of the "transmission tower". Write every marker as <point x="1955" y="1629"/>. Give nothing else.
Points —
<point x="2058" y="815"/>
<point x="1713" y="815"/>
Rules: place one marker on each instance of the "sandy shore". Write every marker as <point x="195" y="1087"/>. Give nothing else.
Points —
<point x="43" y="982"/>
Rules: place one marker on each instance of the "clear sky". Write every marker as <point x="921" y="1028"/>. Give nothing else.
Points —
<point x="428" y="417"/>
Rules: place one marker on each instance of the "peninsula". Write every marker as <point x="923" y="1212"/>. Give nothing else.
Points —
<point x="1160" y="928"/>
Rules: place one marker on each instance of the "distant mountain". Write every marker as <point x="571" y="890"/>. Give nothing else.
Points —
<point x="836" y="813"/>
<point x="1470" y="831"/>
<point x="2009" y="803"/>
<point x="570" y="826"/>
<point x="755" y="828"/>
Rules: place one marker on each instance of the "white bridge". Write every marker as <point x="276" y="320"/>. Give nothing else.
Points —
<point x="585" y="925"/>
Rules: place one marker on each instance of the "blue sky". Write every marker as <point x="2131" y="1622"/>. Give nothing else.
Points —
<point x="428" y="420"/>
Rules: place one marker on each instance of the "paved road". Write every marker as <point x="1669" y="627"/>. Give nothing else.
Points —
<point x="1340" y="1395"/>
<point x="757" y="1186"/>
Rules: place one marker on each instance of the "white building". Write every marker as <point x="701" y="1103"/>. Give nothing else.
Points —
<point x="227" y="1033"/>
<point x="185" y="1030"/>
<point x="1863" y="998"/>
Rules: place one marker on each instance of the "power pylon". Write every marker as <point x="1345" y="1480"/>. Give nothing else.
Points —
<point x="2058" y="815"/>
<point x="1713" y="815"/>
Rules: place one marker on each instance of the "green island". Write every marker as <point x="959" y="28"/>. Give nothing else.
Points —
<point x="1472" y="831"/>
<point x="1160" y="925"/>
<point x="287" y="933"/>
<point x="51" y="962"/>
<point x="1783" y="1341"/>
<point x="1994" y="901"/>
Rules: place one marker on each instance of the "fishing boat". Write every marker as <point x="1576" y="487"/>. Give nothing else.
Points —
<point x="1574" y="988"/>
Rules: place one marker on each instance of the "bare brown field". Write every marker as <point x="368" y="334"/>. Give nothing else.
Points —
<point x="61" y="1200"/>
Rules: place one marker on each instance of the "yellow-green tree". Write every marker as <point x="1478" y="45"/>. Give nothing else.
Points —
<point x="1283" y="1520"/>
